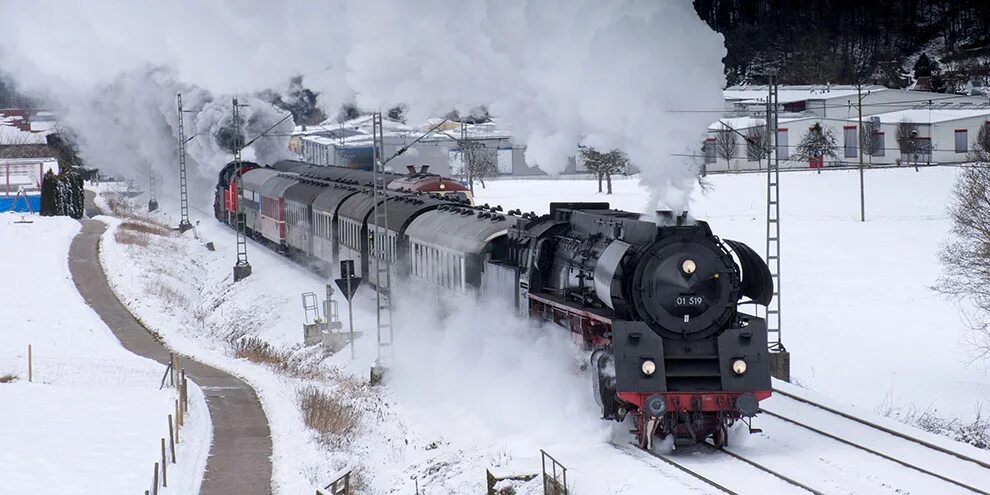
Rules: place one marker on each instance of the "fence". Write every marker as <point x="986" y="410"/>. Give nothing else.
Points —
<point x="37" y="366"/>
<point x="554" y="480"/>
<point x="341" y="485"/>
<point x="176" y="378"/>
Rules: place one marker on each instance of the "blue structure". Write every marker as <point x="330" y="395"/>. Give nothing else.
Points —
<point x="20" y="203"/>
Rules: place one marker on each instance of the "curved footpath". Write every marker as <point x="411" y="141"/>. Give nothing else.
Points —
<point x="240" y="456"/>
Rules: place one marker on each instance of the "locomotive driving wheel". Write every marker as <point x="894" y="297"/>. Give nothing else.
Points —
<point x="721" y="436"/>
<point x="647" y="428"/>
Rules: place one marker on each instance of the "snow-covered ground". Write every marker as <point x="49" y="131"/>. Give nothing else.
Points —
<point x="482" y="389"/>
<point x="92" y="419"/>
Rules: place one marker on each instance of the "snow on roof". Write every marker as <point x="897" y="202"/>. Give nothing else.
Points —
<point x="790" y="94"/>
<point x="13" y="135"/>
<point x="736" y="123"/>
<point x="357" y="132"/>
<point x="934" y="116"/>
<point x="43" y="126"/>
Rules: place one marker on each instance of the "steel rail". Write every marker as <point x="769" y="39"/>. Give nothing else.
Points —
<point x="709" y="481"/>
<point x="687" y="470"/>
<point x="876" y="453"/>
<point x="767" y="470"/>
<point x="884" y="429"/>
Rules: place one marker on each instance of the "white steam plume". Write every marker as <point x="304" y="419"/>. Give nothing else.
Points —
<point x="488" y="375"/>
<point x="557" y="72"/>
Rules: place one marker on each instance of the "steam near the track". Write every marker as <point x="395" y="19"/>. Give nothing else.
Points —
<point x="493" y="375"/>
<point x="556" y="72"/>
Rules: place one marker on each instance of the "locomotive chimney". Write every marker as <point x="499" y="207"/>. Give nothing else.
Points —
<point x="667" y="217"/>
<point x="411" y="169"/>
<point x="424" y="168"/>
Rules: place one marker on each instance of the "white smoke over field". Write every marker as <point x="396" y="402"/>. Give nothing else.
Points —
<point x="556" y="72"/>
<point x="489" y="376"/>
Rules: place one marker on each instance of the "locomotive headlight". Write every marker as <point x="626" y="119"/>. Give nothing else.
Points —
<point x="739" y="366"/>
<point x="649" y="367"/>
<point x="689" y="267"/>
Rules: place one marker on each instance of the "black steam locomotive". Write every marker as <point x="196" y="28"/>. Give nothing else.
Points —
<point x="656" y="300"/>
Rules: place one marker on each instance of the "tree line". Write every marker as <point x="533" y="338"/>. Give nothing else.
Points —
<point x="849" y="41"/>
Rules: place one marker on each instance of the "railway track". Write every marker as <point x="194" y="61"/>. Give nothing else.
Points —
<point x="946" y="459"/>
<point x="932" y="465"/>
<point x="884" y="429"/>
<point x="672" y="461"/>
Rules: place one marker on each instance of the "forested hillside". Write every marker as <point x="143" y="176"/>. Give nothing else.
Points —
<point x="845" y="41"/>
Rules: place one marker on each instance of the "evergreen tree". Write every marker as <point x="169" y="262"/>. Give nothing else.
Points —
<point x="818" y="143"/>
<point x="49" y="193"/>
<point x="923" y="67"/>
<point x="74" y="194"/>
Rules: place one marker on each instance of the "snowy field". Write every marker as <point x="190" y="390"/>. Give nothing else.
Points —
<point x="847" y="287"/>
<point x="91" y="420"/>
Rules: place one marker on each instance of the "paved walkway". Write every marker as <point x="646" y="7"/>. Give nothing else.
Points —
<point x="240" y="457"/>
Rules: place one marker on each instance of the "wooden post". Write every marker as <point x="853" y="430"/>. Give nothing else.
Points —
<point x="154" y="484"/>
<point x="30" y="365"/>
<point x="182" y="394"/>
<point x="171" y="374"/>
<point x="178" y="421"/>
<point x="164" y="466"/>
<point x="171" y="437"/>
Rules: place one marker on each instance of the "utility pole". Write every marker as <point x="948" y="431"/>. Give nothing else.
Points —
<point x="152" y="197"/>
<point x="465" y="156"/>
<point x="242" y="269"/>
<point x="780" y="365"/>
<point x="380" y="244"/>
<point x="859" y="130"/>
<point x="184" y="224"/>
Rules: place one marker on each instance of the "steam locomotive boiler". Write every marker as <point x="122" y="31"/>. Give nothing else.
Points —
<point x="658" y="302"/>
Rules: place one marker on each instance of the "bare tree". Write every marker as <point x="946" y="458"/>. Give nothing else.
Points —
<point x="757" y="144"/>
<point x="965" y="259"/>
<point x="726" y="146"/>
<point x="604" y="164"/>
<point x="982" y="139"/>
<point x="480" y="162"/>
<point x="869" y="138"/>
<point x="817" y="144"/>
<point x="907" y="141"/>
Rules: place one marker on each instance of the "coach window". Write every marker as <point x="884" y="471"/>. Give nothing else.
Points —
<point x="436" y="265"/>
<point x="448" y="272"/>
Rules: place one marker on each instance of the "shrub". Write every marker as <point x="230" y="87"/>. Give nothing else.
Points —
<point x="332" y="419"/>
<point x="258" y="351"/>
<point x="8" y="378"/>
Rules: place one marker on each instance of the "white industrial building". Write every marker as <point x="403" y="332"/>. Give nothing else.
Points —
<point x="935" y="128"/>
<point x="349" y="144"/>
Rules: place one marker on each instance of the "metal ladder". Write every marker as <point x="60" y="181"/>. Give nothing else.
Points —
<point x="241" y="222"/>
<point x="773" y="221"/>
<point x="380" y="241"/>
<point x="183" y="191"/>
